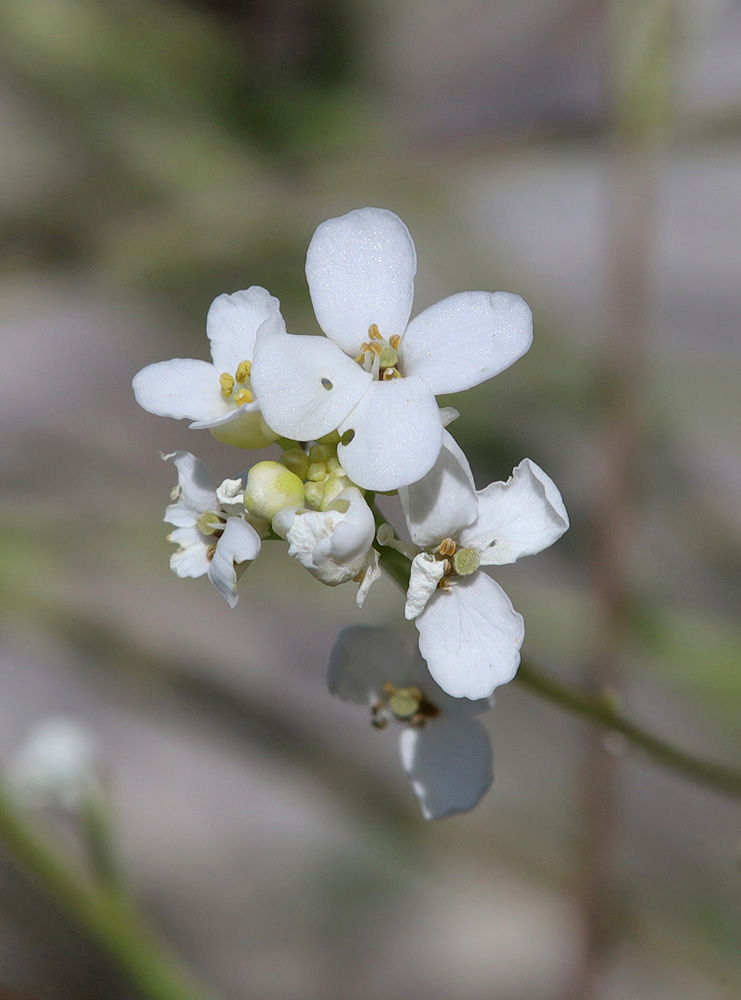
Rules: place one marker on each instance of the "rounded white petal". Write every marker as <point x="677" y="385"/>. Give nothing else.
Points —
<point x="363" y="658"/>
<point x="182" y="387"/>
<point x="196" y="489"/>
<point x="354" y="534"/>
<point x="305" y="385"/>
<point x="449" y="761"/>
<point x="517" y="518"/>
<point x="444" y="501"/>
<point x="239" y="543"/>
<point x="466" y="339"/>
<point x="470" y="637"/>
<point x="191" y="559"/>
<point x="397" y="435"/>
<point x="360" y="268"/>
<point x="232" y="322"/>
<point x="425" y="574"/>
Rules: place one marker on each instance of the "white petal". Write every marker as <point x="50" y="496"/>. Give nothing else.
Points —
<point x="466" y="339"/>
<point x="180" y="388"/>
<point x="371" y="573"/>
<point x="360" y="268"/>
<point x="425" y="574"/>
<point x="517" y="518"/>
<point x="231" y="325"/>
<point x="196" y="489"/>
<point x="233" y="413"/>
<point x="470" y="637"/>
<point x="397" y="435"/>
<point x="191" y="559"/>
<point x="450" y="764"/>
<point x="442" y="502"/>
<point x="354" y="534"/>
<point x="239" y="543"/>
<point x="305" y="385"/>
<point x="363" y="658"/>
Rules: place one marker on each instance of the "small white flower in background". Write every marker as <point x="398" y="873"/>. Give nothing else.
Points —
<point x="469" y="633"/>
<point x="375" y="379"/>
<point x="216" y="395"/>
<point x="211" y="531"/>
<point x="57" y="766"/>
<point x="334" y="544"/>
<point x="444" y="749"/>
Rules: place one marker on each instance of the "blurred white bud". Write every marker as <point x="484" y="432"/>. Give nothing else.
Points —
<point x="57" y="765"/>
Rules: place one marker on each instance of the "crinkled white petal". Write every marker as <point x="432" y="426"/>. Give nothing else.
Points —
<point x="240" y="543"/>
<point x="371" y="573"/>
<point x="397" y="435"/>
<point x="449" y="761"/>
<point x="191" y="559"/>
<point x="517" y="518"/>
<point x="466" y="339"/>
<point x="232" y="322"/>
<point x="364" y="657"/>
<point x="470" y="637"/>
<point x="182" y="387"/>
<point x="333" y="544"/>
<point x="305" y="385"/>
<point x="360" y="268"/>
<point x="196" y="490"/>
<point x="425" y="574"/>
<point x="354" y="534"/>
<point x="444" y="501"/>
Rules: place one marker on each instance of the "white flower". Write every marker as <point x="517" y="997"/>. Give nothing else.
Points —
<point x="469" y="633"/>
<point x="445" y="750"/>
<point x="213" y="537"/>
<point x="375" y="379"/>
<point x="58" y="765"/>
<point x="216" y="395"/>
<point x="334" y="544"/>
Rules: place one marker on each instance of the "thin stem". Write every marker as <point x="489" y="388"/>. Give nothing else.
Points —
<point x="108" y="918"/>
<point x="600" y="710"/>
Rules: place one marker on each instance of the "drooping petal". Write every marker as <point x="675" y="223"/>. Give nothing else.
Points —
<point x="444" y="501"/>
<point x="466" y="339"/>
<point x="232" y="322"/>
<point x="517" y="518"/>
<point x="397" y="435"/>
<point x="470" y="636"/>
<point x="425" y="574"/>
<point x="191" y="558"/>
<point x="449" y="761"/>
<point x="196" y="489"/>
<point x="363" y="658"/>
<point x="232" y="414"/>
<point x="182" y="387"/>
<point x="239" y="543"/>
<point x="305" y="386"/>
<point x="360" y="268"/>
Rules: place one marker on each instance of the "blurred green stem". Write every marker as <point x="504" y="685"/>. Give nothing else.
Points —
<point x="598" y="708"/>
<point x="106" y="916"/>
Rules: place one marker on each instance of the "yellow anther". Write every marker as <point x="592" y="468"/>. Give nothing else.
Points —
<point x="375" y="347"/>
<point x="395" y="340"/>
<point x="244" y="369"/>
<point x="226" y="381"/>
<point x="447" y="547"/>
<point x="243" y="396"/>
<point x="210" y="552"/>
<point x="373" y="332"/>
<point x="360" y="358"/>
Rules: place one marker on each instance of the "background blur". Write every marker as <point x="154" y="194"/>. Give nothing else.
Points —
<point x="155" y="154"/>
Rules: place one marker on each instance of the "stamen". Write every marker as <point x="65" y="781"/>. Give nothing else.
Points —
<point x="376" y="348"/>
<point x="243" y="396"/>
<point x="244" y="370"/>
<point x="210" y="552"/>
<point x="226" y="381"/>
<point x="395" y="340"/>
<point x="373" y="332"/>
<point x="447" y="547"/>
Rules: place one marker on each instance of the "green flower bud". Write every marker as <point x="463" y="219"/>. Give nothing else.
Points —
<point x="296" y="460"/>
<point x="270" y="487"/>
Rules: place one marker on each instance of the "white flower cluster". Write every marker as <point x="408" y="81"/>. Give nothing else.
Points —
<point x="354" y="413"/>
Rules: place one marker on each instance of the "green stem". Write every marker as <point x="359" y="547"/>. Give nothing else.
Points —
<point x="108" y="918"/>
<point x="598" y="709"/>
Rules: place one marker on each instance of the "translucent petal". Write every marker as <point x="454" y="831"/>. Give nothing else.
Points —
<point x="360" y="268"/>
<point x="449" y="761"/>
<point x="181" y="388"/>
<point x="444" y="501"/>
<point x="232" y="323"/>
<point x="305" y="385"/>
<point x="397" y="435"/>
<point x="470" y="637"/>
<point x="363" y="658"/>
<point x="517" y="518"/>
<point x="196" y="489"/>
<point x="239" y="543"/>
<point x="466" y="339"/>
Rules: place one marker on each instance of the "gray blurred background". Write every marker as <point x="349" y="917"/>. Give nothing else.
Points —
<point x="155" y="154"/>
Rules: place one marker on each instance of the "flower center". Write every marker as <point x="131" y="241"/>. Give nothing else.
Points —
<point x="237" y="387"/>
<point x="402" y="704"/>
<point x="458" y="561"/>
<point x="379" y="356"/>
<point x="211" y="523"/>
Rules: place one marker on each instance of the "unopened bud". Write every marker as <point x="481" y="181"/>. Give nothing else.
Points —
<point x="270" y="487"/>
